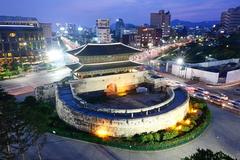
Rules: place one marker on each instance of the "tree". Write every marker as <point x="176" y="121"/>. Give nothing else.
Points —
<point x="5" y="66"/>
<point x="20" y="69"/>
<point x="26" y="67"/>
<point x="15" y="66"/>
<point x="39" y="115"/>
<point x="30" y="101"/>
<point x="6" y="139"/>
<point x="16" y="134"/>
<point x="8" y="73"/>
<point x="207" y="154"/>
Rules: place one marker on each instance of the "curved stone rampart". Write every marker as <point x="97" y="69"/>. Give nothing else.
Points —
<point x="119" y="124"/>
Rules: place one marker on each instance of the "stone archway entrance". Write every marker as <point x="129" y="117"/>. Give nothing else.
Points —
<point x="111" y="89"/>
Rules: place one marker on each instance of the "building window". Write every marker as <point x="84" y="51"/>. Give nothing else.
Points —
<point x="9" y="54"/>
<point x="12" y="34"/>
<point x="6" y="47"/>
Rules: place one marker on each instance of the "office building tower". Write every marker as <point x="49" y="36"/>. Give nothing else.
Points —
<point x="230" y="20"/>
<point x="161" y="20"/>
<point x="103" y="31"/>
<point x="119" y="29"/>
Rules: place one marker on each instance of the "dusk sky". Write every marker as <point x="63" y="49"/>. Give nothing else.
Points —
<point x="85" y="12"/>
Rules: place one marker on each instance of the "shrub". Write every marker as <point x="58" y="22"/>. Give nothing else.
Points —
<point x="157" y="136"/>
<point x="186" y="128"/>
<point x="170" y="134"/>
<point x="147" y="138"/>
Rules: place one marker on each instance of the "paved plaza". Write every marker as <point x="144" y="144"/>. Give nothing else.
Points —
<point x="24" y="86"/>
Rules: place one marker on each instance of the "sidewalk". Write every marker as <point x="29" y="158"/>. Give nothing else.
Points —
<point x="223" y="85"/>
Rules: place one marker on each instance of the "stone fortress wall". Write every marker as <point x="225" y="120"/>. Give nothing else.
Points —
<point x="121" y="127"/>
<point x="88" y="121"/>
<point x="101" y="83"/>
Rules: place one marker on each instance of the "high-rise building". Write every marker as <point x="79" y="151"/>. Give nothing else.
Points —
<point x="131" y="40"/>
<point x="71" y="29"/>
<point x="161" y="20"/>
<point x="119" y="29"/>
<point x="21" y="43"/>
<point x="11" y="20"/>
<point x="149" y="37"/>
<point x="22" y="39"/>
<point x="47" y="32"/>
<point x="103" y="31"/>
<point x="230" y="20"/>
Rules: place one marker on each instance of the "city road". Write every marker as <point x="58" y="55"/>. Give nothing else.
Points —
<point x="27" y="84"/>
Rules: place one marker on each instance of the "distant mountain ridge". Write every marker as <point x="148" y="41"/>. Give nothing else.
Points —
<point x="127" y="26"/>
<point x="174" y="23"/>
<point x="194" y="24"/>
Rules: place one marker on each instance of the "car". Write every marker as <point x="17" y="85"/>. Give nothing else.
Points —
<point x="190" y="89"/>
<point x="215" y="99"/>
<point x="223" y="96"/>
<point x="200" y="96"/>
<point x="234" y="104"/>
<point x="202" y="90"/>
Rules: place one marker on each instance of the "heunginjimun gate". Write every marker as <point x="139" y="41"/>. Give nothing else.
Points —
<point x="103" y="59"/>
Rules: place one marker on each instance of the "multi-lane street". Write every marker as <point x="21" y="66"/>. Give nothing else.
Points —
<point x="26" y="85"/>
<point x="225" y="96"/>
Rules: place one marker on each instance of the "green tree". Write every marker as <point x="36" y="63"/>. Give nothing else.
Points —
<point x="5" y="66"/>
<point x="7" y="110"/>
<point x="15" y="66"/>
<point x="30" y="101"/>
<point x="8" y="73"/>
<point x="20" y="69"/>
<point x="26" y="67"/>
<point x="16" y="134"/>
<point x="207" y="154"/>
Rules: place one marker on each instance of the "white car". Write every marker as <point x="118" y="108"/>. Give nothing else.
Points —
<point x="202" y="90"/>
<point x="234" y="104"/>
<point x="200" y="96"/>
<point x="223" y="96"/>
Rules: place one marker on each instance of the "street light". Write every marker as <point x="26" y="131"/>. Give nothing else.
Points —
<point x="180" y="61"/>
<point x="80" y="29"/>
<point x="62" y="29"/>
<point x="54" y="55"/>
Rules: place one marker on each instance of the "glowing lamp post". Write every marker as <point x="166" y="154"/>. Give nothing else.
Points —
<point x="80" y="29"/>
<point x="55" y="56"/>
<point x="102" y="133"/>
<point x="180" y="61"/>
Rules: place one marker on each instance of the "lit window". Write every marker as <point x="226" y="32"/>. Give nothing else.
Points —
<point x="12" y="34"/>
